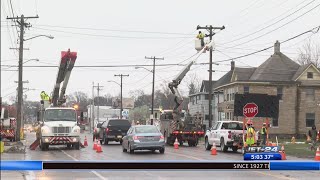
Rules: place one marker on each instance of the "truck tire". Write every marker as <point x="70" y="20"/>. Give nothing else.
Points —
<point x="76" y="146"/>
<point x="224" y="148"/>
<point x="206" y="144"/>
<point x="105" y="141"/>
<point x="169" y="140"/>
<point x="44" y="147"/>
<point x="234" y="148"/>
<point x="69" y="146"/>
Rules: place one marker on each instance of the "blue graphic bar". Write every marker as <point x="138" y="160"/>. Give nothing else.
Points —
<point x="262" y="156"/>
<point x="21" y="165"/>
<point x="281" y="165"/>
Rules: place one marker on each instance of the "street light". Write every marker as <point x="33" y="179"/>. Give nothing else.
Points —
<point x="138" y="67"/>
<point x="152" y="103"/>
<point x="50" y="37"/>
<point x="31" y="60"/>
<point x="22" y="63"/>
<point x="114" y="82"/>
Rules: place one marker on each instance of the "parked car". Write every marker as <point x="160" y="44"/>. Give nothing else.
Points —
<point x="113" y="130"/>
<point x="143" y="137"/>
<point x="96" y="131"/>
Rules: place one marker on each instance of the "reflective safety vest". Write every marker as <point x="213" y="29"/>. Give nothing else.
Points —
<point x="44" y="96"/>
<point x="263" y="130"/>
<point x="250" y="133"/>
<point x="200" y="36"/>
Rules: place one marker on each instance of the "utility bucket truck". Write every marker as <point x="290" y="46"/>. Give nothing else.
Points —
<point x="174" y="124"/>
<point x="58" y="123"/>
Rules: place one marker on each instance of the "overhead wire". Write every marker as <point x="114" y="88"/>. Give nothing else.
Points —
<point x="270" y="25"/>
<point x="109" y="36"/>
<point x="316" y="29"/>
<point x="277" y="27"/>
<point x="115" y="30"/>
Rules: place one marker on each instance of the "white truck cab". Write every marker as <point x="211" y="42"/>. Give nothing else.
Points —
<point x="59" y="127"/>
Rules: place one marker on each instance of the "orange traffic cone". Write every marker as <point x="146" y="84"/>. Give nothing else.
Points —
<point x="85" y="143"/>
<point x="176" y="144"/>
<point x="317" y="157"/>
<point x="99" y="149"/>
<point x="283" y="153"/>
<point x="213" y="149"/>
<point x="95" y="144"/>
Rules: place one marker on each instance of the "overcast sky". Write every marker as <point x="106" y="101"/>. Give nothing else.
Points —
<point x="123" y="32"/>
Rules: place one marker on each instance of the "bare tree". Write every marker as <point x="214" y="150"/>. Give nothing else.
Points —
<point x="310" y="53"/>
<point x="193" y="83"/>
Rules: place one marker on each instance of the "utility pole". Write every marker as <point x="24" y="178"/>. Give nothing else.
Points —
<point x="153" y="72"/>
<point x="92" y="110"/>
<point x="121" y="75"/>
<point x="22" y="25"/>
<point x="211" y="33"/>
<point x="98" y="103"/>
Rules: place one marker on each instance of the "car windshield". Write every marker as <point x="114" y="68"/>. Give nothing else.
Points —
<point x="146" y="129"/>
<point x="60" y="115"/>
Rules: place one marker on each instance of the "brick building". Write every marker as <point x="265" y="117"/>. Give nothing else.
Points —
<point x="298" y="87"/>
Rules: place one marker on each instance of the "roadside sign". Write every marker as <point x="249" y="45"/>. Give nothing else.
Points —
<point x="250" y="110"/>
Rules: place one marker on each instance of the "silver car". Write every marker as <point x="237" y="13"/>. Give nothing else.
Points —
<point x="143" y="137"/>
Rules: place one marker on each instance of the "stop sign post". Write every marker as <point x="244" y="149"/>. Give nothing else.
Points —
<point x="250" y="110"/>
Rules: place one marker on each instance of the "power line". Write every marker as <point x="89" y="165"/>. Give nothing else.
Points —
<point x="115" y="30"/>
<point x="259" y="30"/>
<point x="277" y="27"/>
<point x="109" y="36"/>
<point x="313" y="29"/>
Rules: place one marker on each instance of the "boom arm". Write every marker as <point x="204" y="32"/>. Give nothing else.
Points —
<point x="177" y="80"/>
<point x="66" y="65"/>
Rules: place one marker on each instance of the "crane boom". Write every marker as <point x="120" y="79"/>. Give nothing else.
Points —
<point x="177" y="80"/>
<point x="66" y="65"/>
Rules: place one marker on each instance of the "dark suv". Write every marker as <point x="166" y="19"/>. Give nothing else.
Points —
<point x="114" y="130"/>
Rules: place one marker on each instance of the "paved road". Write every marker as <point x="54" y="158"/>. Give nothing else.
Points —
<point x="114" y="152"/>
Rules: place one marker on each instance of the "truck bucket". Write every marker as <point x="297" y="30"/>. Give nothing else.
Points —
<point x="35" y="144"/>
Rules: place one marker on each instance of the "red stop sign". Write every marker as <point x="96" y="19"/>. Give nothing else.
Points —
<point x="250" y="110"/>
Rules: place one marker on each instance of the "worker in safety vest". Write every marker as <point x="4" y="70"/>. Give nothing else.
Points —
<point x="44" y="96"/>
<point x="250" y="134"/>
<point x="263" y="133"/>
<point x="201" y="37"/>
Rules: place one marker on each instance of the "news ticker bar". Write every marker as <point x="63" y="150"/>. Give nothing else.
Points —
<point x="156" y="165"/>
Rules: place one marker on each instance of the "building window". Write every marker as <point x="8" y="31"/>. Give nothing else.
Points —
<point x="310" y="94"/>
<point x="280" y="92"/>
<point x="310" y="75"/>
<point x="275" y="122"/>
<point x="206" y="96"/>
<point x="156" y="115"/>
<point x="246" y="89"/>
<point x="310" y="118"/>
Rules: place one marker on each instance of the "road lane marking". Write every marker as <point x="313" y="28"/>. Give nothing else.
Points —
<point x="94" y="172"/>
<point x="266" y="174"/>
<point x="182" y="155"/>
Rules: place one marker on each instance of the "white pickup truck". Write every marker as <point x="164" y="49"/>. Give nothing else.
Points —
<point x="223" y="134"/>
